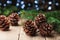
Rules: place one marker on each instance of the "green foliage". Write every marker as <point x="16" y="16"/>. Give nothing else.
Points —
<point x="55" y="14"/>
<point x="7" y="10"/>
<point x="55" y="22"/>
<point x="57" y="27"/>
<point x="52" y="20"/>
<point x="53" y="17"/>
<point x="13" y="8"/>
<point x="29" y="14"/>
<point x="0" y="10"/>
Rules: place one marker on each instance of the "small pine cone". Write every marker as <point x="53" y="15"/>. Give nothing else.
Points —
<point x="39" y="19"/>
<point x="4" y="23"/>
<point x="30" y="28"/>
<point x="14" y="18"/>
<point x="45" y="29"/>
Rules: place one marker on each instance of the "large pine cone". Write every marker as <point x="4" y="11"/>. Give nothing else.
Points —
<point x="45" y="29"/>
<point x="4" y="23"/>
<point x="39" y="19"/>
<point x="30" y="28"/>
<point x="14" y="18"/>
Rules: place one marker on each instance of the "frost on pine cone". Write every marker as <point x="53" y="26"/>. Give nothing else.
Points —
<point x="45" y="29"/>
<point x="30" y="28"/>
<point x="14" y="18"/>
<point x="4" y="23"/>
<point x="39" y="19"/>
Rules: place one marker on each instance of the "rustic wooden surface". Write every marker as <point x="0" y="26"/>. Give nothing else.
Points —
<point x="23" y="36"/>
<point x="10" y="35"/>
<point x="17" y="33"/>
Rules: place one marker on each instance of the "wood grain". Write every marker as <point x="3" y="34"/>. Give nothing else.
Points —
<point x="57" y="37"/>
<point x="51" y="38"/>
<point x="23" y="36"/>
<point x="17" y="33"/>
<point x="10" y="35"/>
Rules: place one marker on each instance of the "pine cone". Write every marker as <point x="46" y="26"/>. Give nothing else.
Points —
<point x="14" y="18"/>
<point x="30" y="28"/>
<point x="39" y="19"/>
<point x="45" y="29"/>
<point x="4" y="23"/>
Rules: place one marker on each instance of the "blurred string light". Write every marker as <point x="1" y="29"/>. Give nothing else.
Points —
<point x="17" y="4"/>
<point x="22" y="5"/>
<point x="29" y="4"/>
<point x="4" y="5"/>
<point x="9" y="2"/>
<point x="22" y="2"/>
<point x="36" y="5"/>
<point x="36" y="2"/>
<point x="49" y="8"/>
<point x="57" y="4"/>
<point x="0" y="4"/>
<point x="37" y="8"/>
<point x="50" y="2"/>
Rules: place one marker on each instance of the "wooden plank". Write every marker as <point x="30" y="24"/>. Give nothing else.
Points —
<point x="10" y="35"/>
<point x="23" y="36"/>
<point x="52" y="38"/>
<point x="38" y="38"/>
<point x="57" y="37"/>
<point x="21" y="22"/>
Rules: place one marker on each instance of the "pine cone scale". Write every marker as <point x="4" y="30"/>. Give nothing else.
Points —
<point x="4" y="23"/>
<point x="29" y="28"/>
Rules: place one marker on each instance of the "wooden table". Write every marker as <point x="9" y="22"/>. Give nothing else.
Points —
<point x="10" y="35"/>
<point x="17" y="33"/>
<point x="23" y="36"/>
